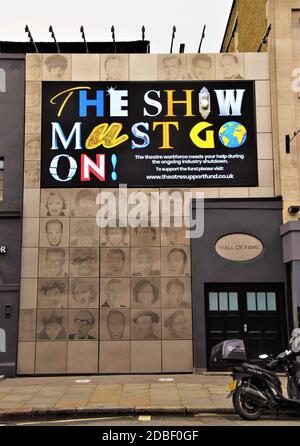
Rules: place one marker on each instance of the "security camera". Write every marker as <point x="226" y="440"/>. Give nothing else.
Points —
<point x="293" y="209"/>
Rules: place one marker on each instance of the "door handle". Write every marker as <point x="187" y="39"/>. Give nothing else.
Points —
<point x="245" y="328"/>
<point x="7" y="311"/>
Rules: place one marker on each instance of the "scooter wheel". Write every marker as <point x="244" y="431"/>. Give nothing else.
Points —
<point x="243" y="408"/>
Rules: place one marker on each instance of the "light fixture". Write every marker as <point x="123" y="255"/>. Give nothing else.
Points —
<point x="83" y="36"/>
<point x="202" y="37"/>
<point x="173" y="37"/>
<point x="204" y="103"/>
<point x="51" y="31"/>
<point x="265" y="38"/>
<point x="289" y="139"/>
<point x="113" y="37"/>
<point x="27" y="30"/>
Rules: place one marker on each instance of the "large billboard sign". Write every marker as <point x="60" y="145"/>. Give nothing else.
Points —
<point x="148" y="134"/>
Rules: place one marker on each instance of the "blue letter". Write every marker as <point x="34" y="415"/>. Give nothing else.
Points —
<point x="139" y="134"/>
<point x="84" y="103"/>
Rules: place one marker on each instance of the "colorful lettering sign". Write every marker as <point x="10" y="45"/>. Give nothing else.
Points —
<point x="162" y="134"/>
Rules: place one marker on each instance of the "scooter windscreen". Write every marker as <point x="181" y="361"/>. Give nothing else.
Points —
<point x="295" y="340"/>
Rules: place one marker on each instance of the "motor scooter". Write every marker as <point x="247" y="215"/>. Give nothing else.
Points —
<point x="257" y="389"/>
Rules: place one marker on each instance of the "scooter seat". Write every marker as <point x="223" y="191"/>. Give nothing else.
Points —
<point x="253" y="366"/>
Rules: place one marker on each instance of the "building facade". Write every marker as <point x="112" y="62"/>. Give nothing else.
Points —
<point x="283" y="49"/>
<point x="57" y="293"/>
<point x="145" y="298"/>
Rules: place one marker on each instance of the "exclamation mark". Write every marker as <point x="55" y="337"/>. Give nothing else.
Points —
<point x="114" y="175"/>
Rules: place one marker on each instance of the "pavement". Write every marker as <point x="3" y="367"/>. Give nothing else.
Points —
<point x="36" y="397"/>
<point x="113" y="394"/>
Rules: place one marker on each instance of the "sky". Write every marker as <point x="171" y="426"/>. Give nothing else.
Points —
<point x="128" y="17"/>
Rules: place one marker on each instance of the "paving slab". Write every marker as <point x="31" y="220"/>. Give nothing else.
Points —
<point x="103" y="401"/>
<point x="156" y="393"/>
<point x="217" y="390"/>
<point x="15" y="398"/>
<point x="4" y="388"/>
<point x="4" y="394"/>
<point x="135" y="387"/>
<point x="105" y="393"/>
<point x="190" y="387"/>
<point x="188" y="394"/>
<point x="101" y="404"/>
<point x="51" y="392"/>
<point x="43" y="398"/>
<point x="133" y="403"/>
<point x="11" y="404"/>
<point x="53" y="386"/>
<point x="109" y="387"/>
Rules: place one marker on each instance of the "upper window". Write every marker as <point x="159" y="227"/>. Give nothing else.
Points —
<point x="261" y="301"/>
<point x="223" y="301"/>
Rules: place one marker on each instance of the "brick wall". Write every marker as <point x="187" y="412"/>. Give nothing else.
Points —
<point x="252" y="23"/>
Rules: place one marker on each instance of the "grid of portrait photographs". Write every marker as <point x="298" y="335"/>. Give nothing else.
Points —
<point x="122" y="293"/>
<point x="227" y="66"/>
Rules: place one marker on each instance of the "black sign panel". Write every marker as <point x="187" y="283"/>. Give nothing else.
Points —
<point x="148" y="134"/>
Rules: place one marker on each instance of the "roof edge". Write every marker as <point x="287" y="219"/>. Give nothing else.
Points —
<point x="227" y="26"/>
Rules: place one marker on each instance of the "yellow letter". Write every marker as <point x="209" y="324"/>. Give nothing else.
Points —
<point x="187" y="102"/>
<point x="166" y="132"/>
<point x="70" y="91"/>
<point x="209" y="142"/>
<point x="107" y="135"/>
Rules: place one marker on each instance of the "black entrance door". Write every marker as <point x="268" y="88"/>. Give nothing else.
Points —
<point x="9" y="303"/>
<point x="252" y="312"/>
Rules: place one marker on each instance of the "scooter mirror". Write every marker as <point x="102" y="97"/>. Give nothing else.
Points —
<point x="263" y="356"/>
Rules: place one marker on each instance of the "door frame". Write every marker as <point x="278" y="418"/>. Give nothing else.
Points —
<point x="10" y="296"/>
<point x="278" y="287"/>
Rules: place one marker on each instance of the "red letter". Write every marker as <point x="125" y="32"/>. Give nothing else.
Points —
<point x="88" y="166"/>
